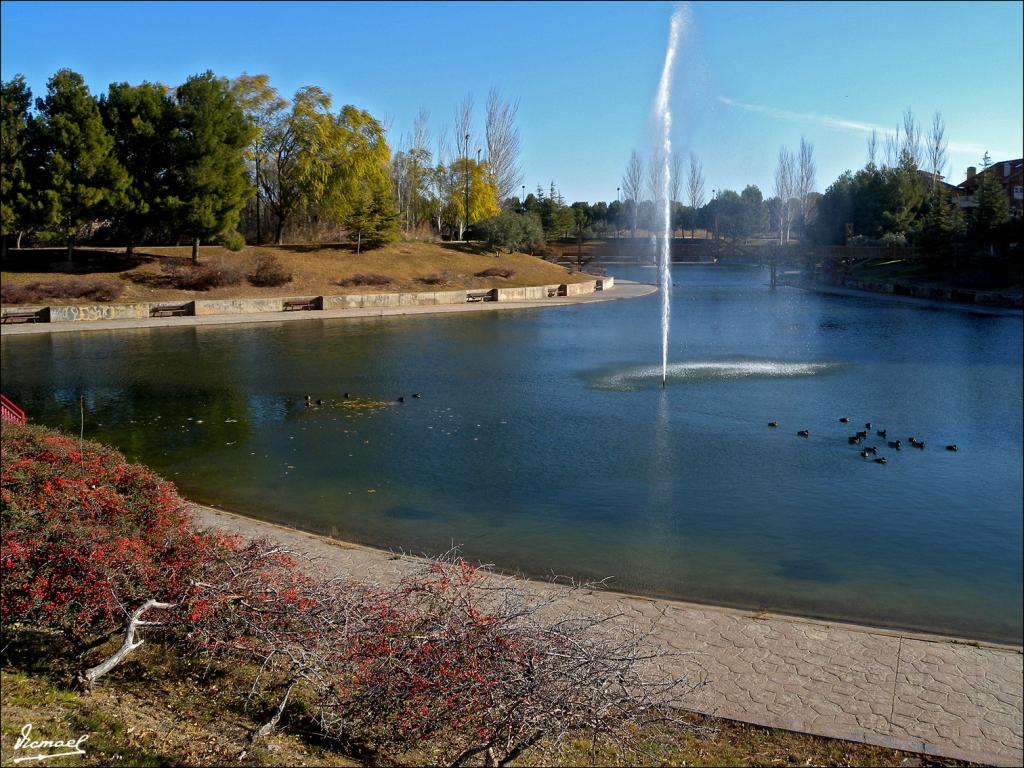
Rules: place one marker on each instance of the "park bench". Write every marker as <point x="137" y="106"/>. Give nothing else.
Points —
<point x="27" y="316"/>
<point x="480" y="295"/>
<point x="169" y="310"/>
<point x="299" y="304"/>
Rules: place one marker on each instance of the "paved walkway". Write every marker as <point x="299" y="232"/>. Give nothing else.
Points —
<point x="906" y="691"/>
<point x="622" y="289"/>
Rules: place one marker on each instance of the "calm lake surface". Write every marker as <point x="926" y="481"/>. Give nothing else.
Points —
<point x="543" y="442"/>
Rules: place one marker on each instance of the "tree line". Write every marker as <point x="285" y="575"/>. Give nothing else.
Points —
<point x="225" y="160"/>
<point x="897" y="198"/>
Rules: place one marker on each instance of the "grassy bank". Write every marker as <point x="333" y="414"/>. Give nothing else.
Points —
<point x="155" y="274"/>
<point x="165" y="709"/>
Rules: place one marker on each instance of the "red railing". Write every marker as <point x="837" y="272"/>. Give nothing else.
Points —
<point x="10" y="412"/>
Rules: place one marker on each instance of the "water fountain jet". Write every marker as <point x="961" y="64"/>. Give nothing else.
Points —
<point x="663" y="152"/>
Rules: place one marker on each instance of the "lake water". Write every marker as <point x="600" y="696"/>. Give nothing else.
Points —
<point x="543" y="442"/>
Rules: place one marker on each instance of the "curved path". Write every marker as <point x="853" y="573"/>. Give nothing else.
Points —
<point x="622" y="289"/>
<point x="913" y="692"/>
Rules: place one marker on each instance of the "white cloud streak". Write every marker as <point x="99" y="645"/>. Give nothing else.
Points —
<point x="852" y="126"/>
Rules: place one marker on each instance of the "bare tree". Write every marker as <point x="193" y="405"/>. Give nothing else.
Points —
<point x="418" y="165"/>
<point x="872" y="147"/>
<point x="656" y="176"/>
<point x="463" y="137"/>
<point x="937" y="148"/>
<point x="632" y="185"/>
<point x="892" y="148"/>
<point x="440" y="187"/>
<point x="695" y="188"/>
<point x="675" y="184"/>
<point x="911" y="146"/>
<point x="503" y="148"/>
<point x="785" y="187"/>
<point x="805" y="179"/>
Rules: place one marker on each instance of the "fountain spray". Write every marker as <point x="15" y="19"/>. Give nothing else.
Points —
<point x="664" y="154"/>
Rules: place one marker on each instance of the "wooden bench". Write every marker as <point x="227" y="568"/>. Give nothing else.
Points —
<point x="169" y="310"/>
<point x="27" y="316"/>
<point x="298" y="304"/>
<point x="480" y="295"/>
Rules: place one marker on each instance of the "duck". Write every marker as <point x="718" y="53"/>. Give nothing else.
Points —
<point x="854" y="439"/>
<point x="953" y="447"/>
<point x="773" y="423"/>
<point x="918" y="444"/>
<point x="401" y="399"/>
<point x="319" y="402"/>
<point x="895" y="444"/>
<point x="867" y="425"/>
<point x="871" y="449"/>
<point x="417" y="395"/>
<point x="862" y="433"/>
<point x="804" y="433"/>
<point x="308" y="398"/>
<point x="864" y="454"/>
<point x="844" y="420"/>
<point x="880" y="460"/>
<point x="882" y="433"/>
<point x="345" y="396"/>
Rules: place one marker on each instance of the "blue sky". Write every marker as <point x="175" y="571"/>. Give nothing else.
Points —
<point x="750" y="77"/>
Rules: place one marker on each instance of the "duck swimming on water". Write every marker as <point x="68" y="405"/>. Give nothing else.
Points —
<point x="773" y="423"/>
<point x="953" y="447"/>
<point x="804" y="433"/>
<point x="895" y="444"/>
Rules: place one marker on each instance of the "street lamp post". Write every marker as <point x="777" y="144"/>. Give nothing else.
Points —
<point x="524" y="198"/>
<point x="466" y="230"/>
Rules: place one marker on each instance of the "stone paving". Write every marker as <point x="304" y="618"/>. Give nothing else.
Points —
<point x="914" y="692"/>
<point x="622" y="289"/>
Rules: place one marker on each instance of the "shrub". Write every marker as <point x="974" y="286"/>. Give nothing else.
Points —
<point x="496" y="272"/>
<point x="34" y="293"/>
<point x="368" y="279"/>
<point x="203" y="277"/>
<point x="85" y="532"/>
<point x="233" y="240"/>
<point x="436" y="278"/>
<point x="268" y="272"/>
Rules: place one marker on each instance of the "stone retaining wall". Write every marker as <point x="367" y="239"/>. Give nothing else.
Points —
<point x="91" y="312"/>
<point x="959" y="295"/>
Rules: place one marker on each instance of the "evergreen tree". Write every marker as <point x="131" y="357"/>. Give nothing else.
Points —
<point x="370" y="219"/>
<point x="15" y="192"/>
<point x="942" y="224"/>
<point x="140" y="119"/>
<point x="80" y="177"/>
<point x="992" y="209"/>
<point x="208" y="149"/>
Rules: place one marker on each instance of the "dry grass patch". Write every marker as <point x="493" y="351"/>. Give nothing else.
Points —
<point x="315" y="270"/>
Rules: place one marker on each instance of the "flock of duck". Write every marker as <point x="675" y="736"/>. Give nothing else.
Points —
<point x="872" y="450"/>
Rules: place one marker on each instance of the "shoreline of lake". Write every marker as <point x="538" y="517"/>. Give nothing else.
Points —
<point x="624" y="289"/>
<point x="728" y="646"/>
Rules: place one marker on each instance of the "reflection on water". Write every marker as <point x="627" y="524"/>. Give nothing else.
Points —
<point x="543" y="442"/>
<point x="639" y="377"/>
